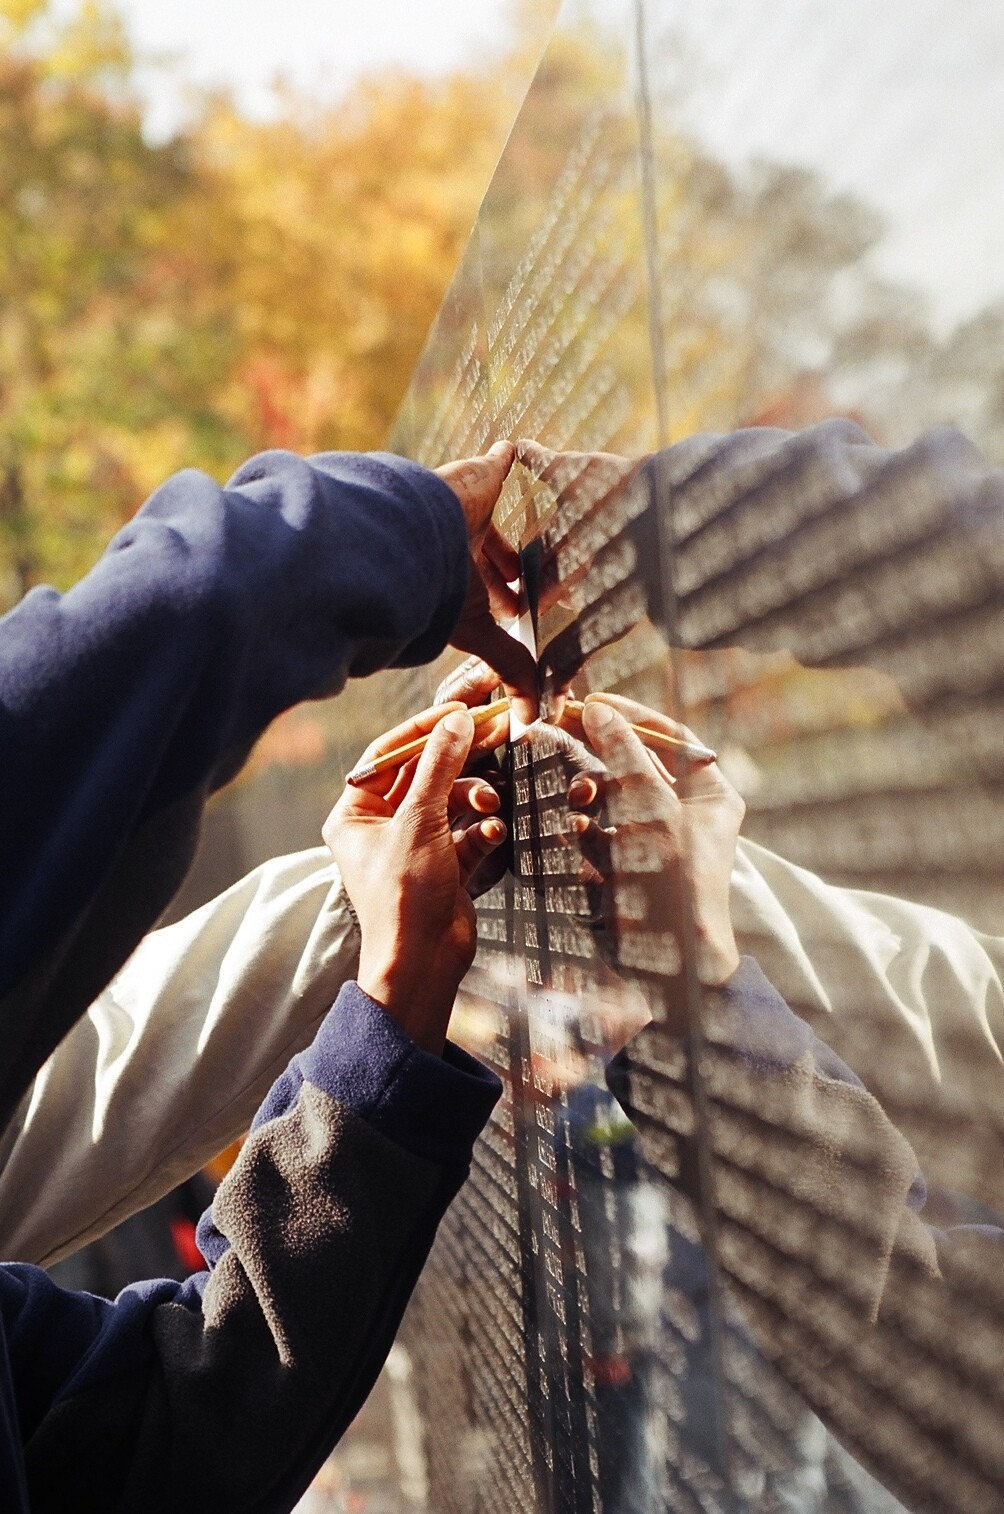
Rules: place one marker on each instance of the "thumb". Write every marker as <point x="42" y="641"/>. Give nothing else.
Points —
<point x="477" y="483"/>
<point x="439" y="766"/>
<point x="534" y="456"/>
<point x="618" y="745"/>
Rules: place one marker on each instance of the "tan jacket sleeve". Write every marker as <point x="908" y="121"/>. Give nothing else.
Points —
<point x="173" y="1059"/>
<point x="911" y="998"/>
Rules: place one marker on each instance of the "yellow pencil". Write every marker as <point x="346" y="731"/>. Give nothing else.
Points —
<point x="403" y="754"/>
<point x="694" y="751"/>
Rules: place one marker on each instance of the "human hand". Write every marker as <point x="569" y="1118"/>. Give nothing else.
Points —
<point x="691" y="830"/>
<point x="405" y="868"/>
<point x="474" y="683"/>
<point x="581" y="484"/>
<point x="582" y="478"/>
<point x="477" y="483"/>
<point x="599" y="552"/>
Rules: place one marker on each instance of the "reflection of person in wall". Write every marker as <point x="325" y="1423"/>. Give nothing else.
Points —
<point x="878" y="1317"/>
<point x="123" y="703"/>
<point x="821" y="550"/>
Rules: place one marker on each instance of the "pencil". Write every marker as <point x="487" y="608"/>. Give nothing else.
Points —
<point x="403" y="754"/>
<point x="694" y="751"/>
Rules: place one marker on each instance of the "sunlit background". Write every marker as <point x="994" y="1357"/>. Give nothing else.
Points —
<point x="223" y="227"/>
<point x="229" y="226"/>
<point x="316" y="48"/>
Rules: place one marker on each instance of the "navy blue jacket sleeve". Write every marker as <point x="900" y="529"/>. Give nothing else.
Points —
<point x="793" y="1129"/>
<point x="228" y="1390"/>
<point x="125" y="700"/>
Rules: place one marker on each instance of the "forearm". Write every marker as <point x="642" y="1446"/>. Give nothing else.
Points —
<point x="804" y="1162"/>
<point x="173" y="1059"/>
<point x="240" y="1382"/>
<point x="871" y="1314"/>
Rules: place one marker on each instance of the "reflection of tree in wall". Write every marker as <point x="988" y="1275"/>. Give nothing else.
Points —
<point x="772" y="313"/>
<point x="772" y="310"/>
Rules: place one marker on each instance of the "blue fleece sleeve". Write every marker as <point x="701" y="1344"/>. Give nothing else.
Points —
<point x="133" y="694"/>
<point x="763" y="1035"/>
<point x="433" y="1107"/>
<point x="313" y="1246"/>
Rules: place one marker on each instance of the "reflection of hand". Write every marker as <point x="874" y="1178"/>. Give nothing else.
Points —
<point x="405" y="871"/>
<point x="575" y="477"/>
<point x="477" y="483"/>
<point x="473" y="682"/>
<point x="600" y="554"/>
<point x="692" y="831"/>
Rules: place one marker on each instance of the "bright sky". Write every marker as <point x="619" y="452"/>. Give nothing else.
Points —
<point x="902" y="104"/>
<point x="320" y="45"/>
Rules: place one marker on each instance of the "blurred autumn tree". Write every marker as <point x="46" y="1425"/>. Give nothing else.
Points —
<point x="350" y="223"/>
<point x="103" y="372"/>
<point x="244" y="285"/>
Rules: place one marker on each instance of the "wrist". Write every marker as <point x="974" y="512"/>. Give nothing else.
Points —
<point x="717" y="963"/>
<point x="413" y="991"/>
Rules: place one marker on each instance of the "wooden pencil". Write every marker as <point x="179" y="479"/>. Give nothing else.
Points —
<point x="403" y="754"/>
<point x="694" y="751"/>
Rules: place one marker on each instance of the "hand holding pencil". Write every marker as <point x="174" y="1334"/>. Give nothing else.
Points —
<point x="491" y="722"/>
<point x="681" y="748"/>
<point x="488" y="733"/>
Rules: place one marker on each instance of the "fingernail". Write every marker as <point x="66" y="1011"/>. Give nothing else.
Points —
<point x="485" y="799"/>
<point x="500" y="449"/>
<point x="493" y="830"/>
<point x="459" y="723"/>
<point x="596" y="716"/>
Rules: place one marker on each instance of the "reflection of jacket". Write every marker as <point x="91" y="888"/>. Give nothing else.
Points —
<point x="843" y="554"/>
<point x="124" y="701"/>
<point x="821" y="1233"/>
<point x="910" y="997"/>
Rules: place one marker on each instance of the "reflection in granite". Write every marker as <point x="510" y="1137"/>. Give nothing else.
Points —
<point x="778" y="1286"/>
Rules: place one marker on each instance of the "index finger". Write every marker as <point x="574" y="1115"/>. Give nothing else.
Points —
<point x="565" y="473"/>
<point x="696" y="779"/>
<point x="473" y="682"/>
<point x="501" y="553"/>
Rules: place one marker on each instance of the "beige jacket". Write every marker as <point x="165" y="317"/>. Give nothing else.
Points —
<point x="173" y="1059"/>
